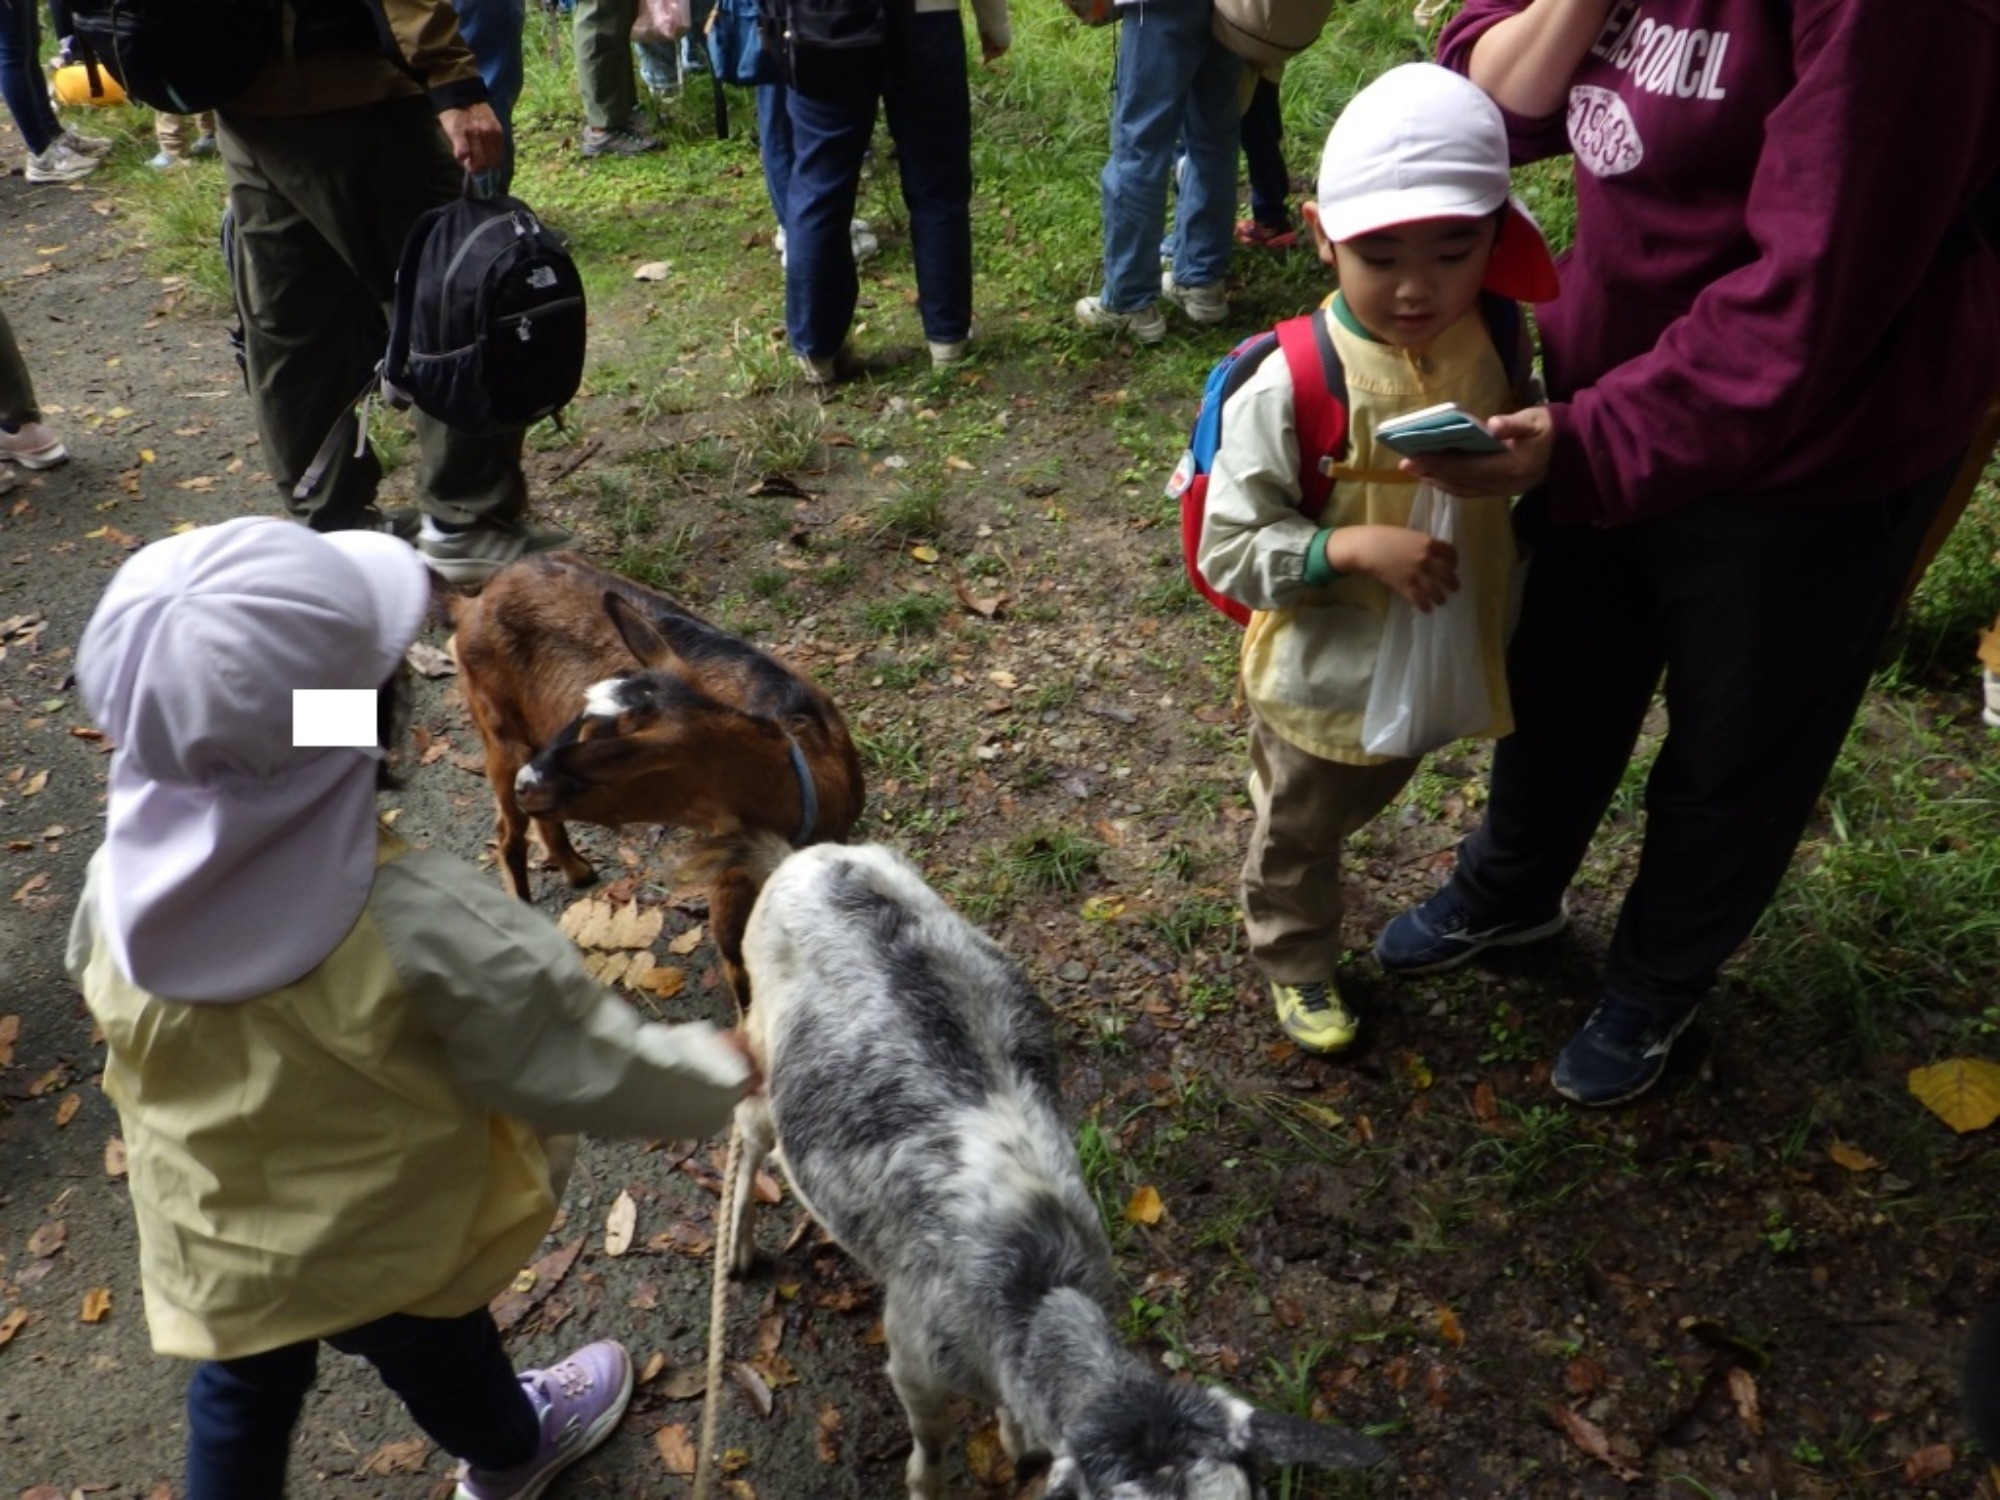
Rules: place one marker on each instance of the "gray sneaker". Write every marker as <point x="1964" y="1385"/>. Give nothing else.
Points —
<point x="1207" y="305"/>
<point x="601" y="142"/>
<point x="468" y="558"/>
<point x="60" y="163"/>
<point x="1148" y="325"/>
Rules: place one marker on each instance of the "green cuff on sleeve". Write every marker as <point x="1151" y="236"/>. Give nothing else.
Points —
<point x="1318" y="572"/>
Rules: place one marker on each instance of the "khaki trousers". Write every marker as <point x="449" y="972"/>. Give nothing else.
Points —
<point x="1306" y="808"/>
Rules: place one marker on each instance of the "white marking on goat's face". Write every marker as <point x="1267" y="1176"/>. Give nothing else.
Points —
<point x="526" y="779"/>
<point x="604" y="700"/>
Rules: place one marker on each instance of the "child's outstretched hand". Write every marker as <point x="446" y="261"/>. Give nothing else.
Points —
<point x="741" y="1044"/>
<point x="1423" y="569"/>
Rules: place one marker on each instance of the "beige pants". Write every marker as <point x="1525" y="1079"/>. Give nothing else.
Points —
<point x="177" y="133"/>
<point x="1306" y="808"/>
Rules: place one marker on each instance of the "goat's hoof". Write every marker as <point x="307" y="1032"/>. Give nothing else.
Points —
<point x="581" y="880"/>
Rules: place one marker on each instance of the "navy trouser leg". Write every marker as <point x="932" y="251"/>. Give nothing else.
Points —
<point x="1768" y="620"/>
<point x="457" y="1381"/>
<point x="240" y="1415"/>
<point x="829" y="137"/>
<point x="1264" y="158"/>
<point x="928" y="105"/>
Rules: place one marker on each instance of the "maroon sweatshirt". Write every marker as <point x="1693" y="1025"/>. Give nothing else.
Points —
<point x="1774" y="290"/>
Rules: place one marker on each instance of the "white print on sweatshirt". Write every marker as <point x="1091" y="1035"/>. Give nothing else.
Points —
<point x="1684" y="61"/>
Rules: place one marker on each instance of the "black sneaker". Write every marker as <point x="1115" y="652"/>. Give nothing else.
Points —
<point x="1620" y="1052"/>
<point x="1441" y="934"/>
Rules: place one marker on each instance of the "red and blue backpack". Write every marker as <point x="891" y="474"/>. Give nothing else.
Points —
<point x="1319" y="418"/>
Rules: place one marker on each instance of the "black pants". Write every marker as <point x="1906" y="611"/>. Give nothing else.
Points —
<point x="452" y="1374"/>
<point x="1766" y="621"/>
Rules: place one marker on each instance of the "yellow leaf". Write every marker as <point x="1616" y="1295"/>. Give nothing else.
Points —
<point x="1145" y="1207"/>
<point x="118" y="412"/>
<point x="923" y="552"/>
<point x="96" y="1304"/>
<point x="146" y="455"/>
<point x="1416" y="1071"/>
<point x="1449" y="1329"/>
<point x="181" y="528"/>
<point x="1851" y="1157"/>
<point x="1964" y="1092"/>
<point x="1103" y="909"/>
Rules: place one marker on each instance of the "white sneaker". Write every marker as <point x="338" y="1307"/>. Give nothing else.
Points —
<point x="859" y="240"/>
<point x="59" y="163"/>
<point x="1991" y="713"/>
<point x="32" y="446"/>
<point x="87" y="145"/>
<point x="945" y="355"/>
<point x="1148" y="325"/>
<point x="1203" y="304"/>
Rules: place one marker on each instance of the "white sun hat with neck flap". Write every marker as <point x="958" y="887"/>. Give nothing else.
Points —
<point x="235" y="861"/>
<point x="1421" y="142"/>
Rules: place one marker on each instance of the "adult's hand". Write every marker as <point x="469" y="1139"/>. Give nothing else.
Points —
<point x="991" y="49"/>
<point x="477" y="141"/>
<point x="1530" y="438"/>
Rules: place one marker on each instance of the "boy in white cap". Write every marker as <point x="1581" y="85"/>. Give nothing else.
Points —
<point x="1430" y="251"/>
<point x="333" y="1054"/>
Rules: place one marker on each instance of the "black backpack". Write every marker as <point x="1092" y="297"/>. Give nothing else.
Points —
<point x="488" y="329"/>
<point x="824" y="46"/>
<point x="182" y="56"/>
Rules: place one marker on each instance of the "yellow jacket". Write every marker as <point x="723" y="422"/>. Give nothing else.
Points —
<point x="359" y="1143"/>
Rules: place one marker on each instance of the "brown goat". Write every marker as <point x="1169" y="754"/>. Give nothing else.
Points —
<point x="601" y="701"/>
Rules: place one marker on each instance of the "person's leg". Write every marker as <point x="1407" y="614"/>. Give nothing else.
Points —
<point x="492" y="32"/>
<point x="1161" y="49"/>
<point x="22" y="85"/>
<point x="1305" y="810"/>
<point x="240" y="1415"/>
<point x="1263" y="129"/>
<point x="17" y="387"/>
<point x="457" y="1381"/>
<point x="323" y="204"/>
<point x="774" y="145"/>
<point x="172" y="135"/>
<point x="929" y="108"/>
<point x="1211" y="128"/>
<point x="829" y="135"/>
<point x="603" y="30"/>
<point x="1774" y="618"/>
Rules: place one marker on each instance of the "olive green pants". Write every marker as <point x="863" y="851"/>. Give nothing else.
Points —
<point x="604" y="76"/>
<point x="17" y="391"/>
<point x="322" y="204"/>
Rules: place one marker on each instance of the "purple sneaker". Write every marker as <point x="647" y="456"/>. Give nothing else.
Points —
<point x="580" y="1402"/>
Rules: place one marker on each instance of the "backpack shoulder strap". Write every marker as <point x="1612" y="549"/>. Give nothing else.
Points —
<point x="1319" y="404"/>
<point x="1502" y="316"/>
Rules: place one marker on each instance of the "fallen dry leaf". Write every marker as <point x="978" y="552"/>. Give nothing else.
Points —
<point x="827" y="1432"/>
<point x="114" y="1157"/>
<point x="47" y="1240"/>
<point x="1485" y="1103"/>
<point x="1449" y="1329"/>
<point x="1964" y="1092"/>
<point x="1590" y="1438"/>
<point x="1928" y="1463"/>
<point x="685" y="943"/>
<point x="594" y="923"/>
<point x="676" y="1449"/>
<point x="685" y="1385"/>
<point x="427" y="661"/>
<point x="1851" y="1157"/>
<point x="11" y="1324"/>
<point x="1743" y="1393"/>
<point x="533" y="1284"/>
<point x="10" y="1033"/>
<point x="985" y="1459"/>
<point x="650" y="1371"/>
<point x="1145" y="1207"/>
<point x="29" y="886"/>
<point x="34" y="784"/>
<point x="96" y="1305"/>
<point x="620" y="1223"/>
<point x="405" y="1456"/>
<point x="755" y="1387"/>
<point x="652" y="270"/>
<point x="66" y="1111"/>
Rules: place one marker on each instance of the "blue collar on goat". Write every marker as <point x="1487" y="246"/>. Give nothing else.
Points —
<point x="808" y="794"/>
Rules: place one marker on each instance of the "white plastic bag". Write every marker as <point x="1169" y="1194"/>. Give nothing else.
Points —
<point x="1430" y="671"/>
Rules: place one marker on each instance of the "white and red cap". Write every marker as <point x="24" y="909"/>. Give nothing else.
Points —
<point x="1422" y="142"/>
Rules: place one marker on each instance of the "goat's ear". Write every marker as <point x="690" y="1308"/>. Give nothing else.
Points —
<point x="642" y="637"/>
<point x="1065" y="1480"/>
<point x="1276" y="1439"/>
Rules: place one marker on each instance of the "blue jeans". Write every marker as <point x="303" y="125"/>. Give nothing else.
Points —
<point x="492" y="30"/>
<point x="921" y="84"/>
<point x="774" y="144"/>
<point x="452" y="1374"/>
<point x="21" y="82"/>
<point x="1175" y="83"/>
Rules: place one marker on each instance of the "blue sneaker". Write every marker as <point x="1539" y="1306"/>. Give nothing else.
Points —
<point x="1441" y="934"/>
<point x="1620" y="1052"/>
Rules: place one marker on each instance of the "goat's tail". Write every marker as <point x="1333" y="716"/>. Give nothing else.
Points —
<point x="756" y="852"/>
